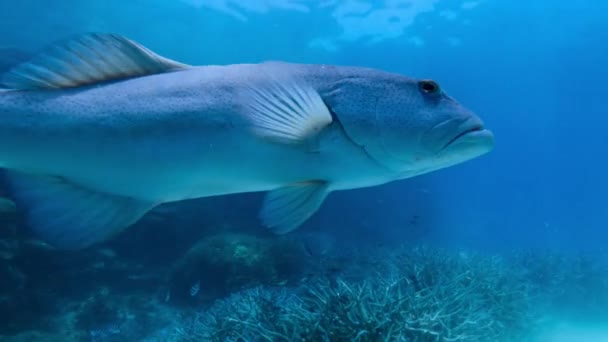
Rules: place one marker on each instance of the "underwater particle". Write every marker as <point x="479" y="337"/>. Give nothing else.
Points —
<point x="454" y="41"/>
<point x="104" y="332"/>
<point x="38" y="244"/>
<point x="7" y="206"/>
<point x="417" y="41"/>
<point x="448" y="15"/>
<point x="467" y="5"/>
<point x="12" y="279"/>
<point x="107" y="253"/>
<point x="323" y="44"/>
<point x="99" y="265"/>
<point x="194" y="289"/>
<point x="8" y="249"/>
<point x="414" y="220"/>
<point x="242" y="252"/>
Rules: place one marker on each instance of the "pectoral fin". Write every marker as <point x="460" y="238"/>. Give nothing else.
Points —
<point x="69" y="216"/>
<point x="285" y="209"/>
<point x="285" y="111"/>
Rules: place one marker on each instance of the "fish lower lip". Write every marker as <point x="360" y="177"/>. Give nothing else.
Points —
<point x="477" y="128"/>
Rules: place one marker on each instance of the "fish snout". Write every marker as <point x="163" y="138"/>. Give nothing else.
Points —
<point x="466" y="137"/>
<point x="460" y="135"/>
<point x="462" y="130"/>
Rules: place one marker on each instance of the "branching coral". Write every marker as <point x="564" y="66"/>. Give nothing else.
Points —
<point x="265" y="314"/>
<point x="416" y="295"/>
<point x="425" y="295"/>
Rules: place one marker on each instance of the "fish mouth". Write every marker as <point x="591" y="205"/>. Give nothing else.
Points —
<point x="471" y="131"/>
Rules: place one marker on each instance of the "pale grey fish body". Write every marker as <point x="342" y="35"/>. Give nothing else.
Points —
<point x="90" y="146"/>
<point x="171" y="136"/>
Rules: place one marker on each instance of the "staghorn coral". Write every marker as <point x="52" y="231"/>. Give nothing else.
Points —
<point x="259" y="313"/>
<point x="415" y="295"/>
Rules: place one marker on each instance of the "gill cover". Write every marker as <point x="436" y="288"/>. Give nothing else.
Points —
<point x="354" y="107"/>
<point x="383" y="113"/>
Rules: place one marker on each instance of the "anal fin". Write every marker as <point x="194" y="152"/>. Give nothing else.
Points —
<point x="286" y="208"/>
<point x="69" y="216"/>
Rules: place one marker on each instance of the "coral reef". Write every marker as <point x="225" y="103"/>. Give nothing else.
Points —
<point x="237" y="287"/>
<point x="40" y="283"/>
<point x="223" y="263"/>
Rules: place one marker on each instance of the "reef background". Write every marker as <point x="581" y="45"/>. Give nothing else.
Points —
<point x="535" y="73"/>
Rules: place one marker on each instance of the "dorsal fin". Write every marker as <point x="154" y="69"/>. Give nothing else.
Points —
<point x="85" y="60"/>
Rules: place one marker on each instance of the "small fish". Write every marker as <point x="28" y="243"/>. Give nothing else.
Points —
<point x="308" y="249"/>
<point x="195" y="289"/>
<point x="97" y="131"/>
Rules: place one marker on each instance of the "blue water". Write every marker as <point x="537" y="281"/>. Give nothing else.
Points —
<point x="534" y="71"/>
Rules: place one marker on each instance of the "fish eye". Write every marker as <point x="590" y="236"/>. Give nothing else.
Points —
<point x="428" y="87"/>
